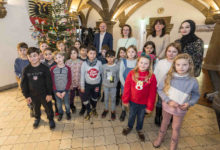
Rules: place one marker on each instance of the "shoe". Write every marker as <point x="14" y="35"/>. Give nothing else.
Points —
<point x="159" y="139"/>
<point x="113" y="116"/>
<point x="73" y="108"/>
<point x="141" y="136"/>
<point x="60" y="117"/>
<point x="94" y="112"/>
<point x="126" y="131"/>
<point x="36" y="123"/>
<point x="82" y="111"/>
<point x="105" y="112"/>
<point x="52" y="124"/>
<point x="68" y="116"/>
<point x="56" y="114"/>
<point x="123" y="114"/>
<point x="88" y="116"/>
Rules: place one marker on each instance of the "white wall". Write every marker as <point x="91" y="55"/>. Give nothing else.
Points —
<point x="14" y="28"/>
<point x="178" y="9"/>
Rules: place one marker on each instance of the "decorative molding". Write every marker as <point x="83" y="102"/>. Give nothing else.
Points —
<point x="3" y="11"/>
<point x="205" y="28"/>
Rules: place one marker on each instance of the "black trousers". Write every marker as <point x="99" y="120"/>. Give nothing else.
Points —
<point x="41" y="100"/>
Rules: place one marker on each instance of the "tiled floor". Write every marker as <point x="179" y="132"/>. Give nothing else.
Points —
<point x="199" y="130"/>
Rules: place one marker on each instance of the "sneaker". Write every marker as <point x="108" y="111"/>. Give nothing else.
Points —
<point x="36" y="123"/>
<point x="52" y="124"/>
<point x="123" y="114"/>
<point x="113" y="116"/>
<point x="126" y="131"/>
<point x="73" y="108"/>
<point x="141" y="136"/>
<point x="68" y="116"/>
<point x="94" y="112"/>
<point x="56" y="114"/>
<point x="82" y="111"/>
<point x="60" y="117"/>
<point x="88" y="116"/>
<point x="105" y="112"/>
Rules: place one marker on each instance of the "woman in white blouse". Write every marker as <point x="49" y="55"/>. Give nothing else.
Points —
<point x="159" y="37"/>
<point x="127" y="39"/>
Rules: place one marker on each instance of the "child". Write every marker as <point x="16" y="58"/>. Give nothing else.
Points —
<point x="120" y="56"/>
<point x="179" y="90"/>
<point x="110" y="79"/>
<point x="43" y="45"/>
<point x="49" y="62"/>
<point x="77" y="44"/>
<point x="161" y="69"/>
<point x="75" y="65"/>
<point x="90" y="81"/>
<point x="61" y="77"/>
<point x="125" y="67"/>
<point x="62" y="48"/>
<point x="150" y="49"/>
<point x="36" y="85"/>
<point x="83" y="53"/>
<point x="139" y="93"/>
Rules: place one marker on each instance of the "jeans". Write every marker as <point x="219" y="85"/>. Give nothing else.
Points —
<point x="139" y="111"/>
<point x="66" y="102"/>
<point x="110" y="92"/>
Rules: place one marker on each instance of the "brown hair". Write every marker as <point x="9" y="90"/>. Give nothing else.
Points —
<point x="176" y="45"/>
<point x="49" y="49"/>
<point x="22" y="45"/>
<point x="150" y="68"/>
<point x="134" y="48"/>
<point x="58" y="53"/>
<point x="160" y="21"/>
<point x="43" y="42"/>
<point x="173" y="69"/>
<point x="119" y="50"/>
<point x="130" y="30"/>
<point x="58" y="43"/>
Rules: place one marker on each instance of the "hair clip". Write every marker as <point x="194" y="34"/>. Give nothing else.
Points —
<point x="145" y="55"/>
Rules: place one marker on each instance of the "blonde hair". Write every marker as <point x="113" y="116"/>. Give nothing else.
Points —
<point x="176" y="45"/>
<point x="57" y="53"/>
<point x="173" y="69"/>
<point x="150" y="68"/>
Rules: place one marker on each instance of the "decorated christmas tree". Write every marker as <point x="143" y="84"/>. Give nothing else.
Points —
<point x="52" y="22"/>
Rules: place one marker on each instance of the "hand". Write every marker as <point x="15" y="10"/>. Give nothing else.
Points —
<point x="184" y="106"/>
<point x="148" y="111"/>
<point x="63" y="94"/>
<point x="29" y="100"/>
<point x="82" y="90"/>
<point x="173" y="104"/>
<point x="48" y="98"/>
<point x="58" y="94"/>
<point x="126" y="105"/>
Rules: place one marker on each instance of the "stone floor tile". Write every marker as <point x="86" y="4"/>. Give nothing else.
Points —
<point x="88" y="142"/>
<point x="42" y="145"/>
<point x="67" y="134"/>
<point x="112" y="147"/>
<point x="124" y="146"/>
<point x="108" y="131"/>
<point x="6" y="147"/>
<point x="11" y="140"/>
<point x="110" y="139"/>
<point x="87" y="132"/>
<point x="65" y="144"/>
<point x="18" y="147"/>
<point x="98" y="131"/>
<point x="120" y="139"/>
<point x="77" y="133"/>
<point x="77" y="143"/>
<point x="99" y="140"/>
<point x="54" y="145"/>
<point x="135" y="146"/>
<point x="56" y="135"/>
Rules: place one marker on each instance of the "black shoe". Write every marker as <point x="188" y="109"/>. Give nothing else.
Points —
<point x="126" y="131"/>
<point x="113" y="116"/>
<point x="141" y="136"/>
<point x="60" y="117"/>
<point x="82" y="111"/>
<point x="68" y="116"/>
<point x="73" y="108"/>
<point x="105" y="112"/>
<point x="52" y="124"/>
<point x="123" y="114"/>
<point x="36" y="123"/>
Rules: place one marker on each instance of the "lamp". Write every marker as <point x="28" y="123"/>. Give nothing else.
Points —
<point x="3" y="11"/>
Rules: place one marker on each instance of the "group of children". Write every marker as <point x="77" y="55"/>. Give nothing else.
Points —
<point x="138" y="77"/>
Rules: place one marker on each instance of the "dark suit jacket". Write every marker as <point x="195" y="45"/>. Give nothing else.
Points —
<point x="108" y="40"/>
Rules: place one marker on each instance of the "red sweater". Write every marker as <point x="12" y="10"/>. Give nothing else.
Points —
<point x="140" y="92"/>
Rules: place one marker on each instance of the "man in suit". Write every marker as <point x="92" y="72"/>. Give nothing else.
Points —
<point x="103" y="38"/>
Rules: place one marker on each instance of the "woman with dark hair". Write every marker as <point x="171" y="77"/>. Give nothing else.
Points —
<point x="127" y="39"/>
<point x="159" y="37"/>
<point x="191" y="44"/>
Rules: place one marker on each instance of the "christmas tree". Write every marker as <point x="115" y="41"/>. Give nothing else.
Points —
<point x="55" y="23"/>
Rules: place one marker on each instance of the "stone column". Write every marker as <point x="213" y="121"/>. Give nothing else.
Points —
<point x="109" y="24"/>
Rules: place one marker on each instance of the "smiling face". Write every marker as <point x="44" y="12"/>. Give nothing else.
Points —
<point x="43" y="46"/>
<point x="34" y="59"/>
<point x="182" y="66"/>
<point x="185" y="28"/>
<point x="125" y="31"/>
<point x="77" y="45"/>
<point x="149" y="49"/>
<point x="131" y="53"/>
<point x="102" y="27"/>
<point x="171" y="53"/>
<point x="143" y="64"/>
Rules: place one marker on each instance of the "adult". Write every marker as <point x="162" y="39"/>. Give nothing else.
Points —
<point x="191" y="44"/>
<point x="159" y="37"/>
<point x="127" y="39"/>
<point x="103" y="38"/>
